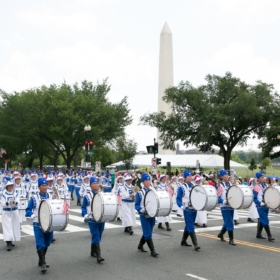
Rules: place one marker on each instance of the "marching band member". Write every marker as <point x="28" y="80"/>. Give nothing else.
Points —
<point x="85" y="188"/>
<point x="78" y="184"/>
<point x="33" y="185"/>
<point x="174" y="186"/>
<point x="226" y="210"/>
<point x="262" y="208"/>
<point x="21" y="192"/>
<point x="128" y="205"/>
<point x="42" y="239"/>
<point x="201" y="217"/>
<point x="96" y="228"/>
<point x="117" y="191"/>
<point x="253" y="212"/>
<point x="10" y="215"/>
<point x="50" y="186"/>
<point x="180" y="182"/>
<point x="71" y="184"/>
<point x="61" y="188"/>
<point x="163" y="187"/>
<point x="189" y="213"/>
<point x="147" y="223"/>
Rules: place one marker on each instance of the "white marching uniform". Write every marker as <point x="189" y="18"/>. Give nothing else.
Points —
<point x="10" y="216"/>
<point x="167" y="219"/>
<point x="32" y="188"/>
<point x="253" y="212"/>
<point x="85" y="188"/>
<point x="128" y="206"/>
<point x="174" y="205"/>
<point x="1" y="192"/>
<point x="117" y="191"/>
<point x="21" y="192"/>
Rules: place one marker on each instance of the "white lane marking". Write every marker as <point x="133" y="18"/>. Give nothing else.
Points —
<point x="27" y="229"/>
<point x="196" y="277"/>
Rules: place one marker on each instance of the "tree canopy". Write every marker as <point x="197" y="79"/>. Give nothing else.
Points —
<point x="50" y="120"/>
<point x="224" y="112"/>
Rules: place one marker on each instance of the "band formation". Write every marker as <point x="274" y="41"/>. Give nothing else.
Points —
<point x="45" y="199"/>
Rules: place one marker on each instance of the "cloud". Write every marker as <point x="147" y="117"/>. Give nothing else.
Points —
<point x="242" y="60"/>
<point x="257" y="12"/>
<point x="80" y="21"/>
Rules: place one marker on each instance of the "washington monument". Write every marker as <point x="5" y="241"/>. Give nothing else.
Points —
<point x="165" y="76"/>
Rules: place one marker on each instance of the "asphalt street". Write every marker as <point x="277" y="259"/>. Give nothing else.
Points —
<point x="69" y="257"/>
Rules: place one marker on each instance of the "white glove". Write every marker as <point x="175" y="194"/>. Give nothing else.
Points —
<point x="183" y="207"/>
<point x="262" y="204"/>
<point x="225" y="202"/>
<point x="143" y="210"/>
<point x="33" y="216"/>
<point x="86" y="216"/>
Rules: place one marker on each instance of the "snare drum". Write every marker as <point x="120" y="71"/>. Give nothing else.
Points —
<point x="240" y="196"/>
<point x="203" y="197"/>
<point x="51" y="217"/>
<point x="158" y="203"/>
<point x="105" y="207"/>
<point x="23" y="202"/>
<point x="272" y="197"/>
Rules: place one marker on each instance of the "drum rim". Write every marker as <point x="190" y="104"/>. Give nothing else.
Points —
<point x="50" y="217"/>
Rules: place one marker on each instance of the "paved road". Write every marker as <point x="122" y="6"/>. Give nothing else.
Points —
<point x="69" y="256"/>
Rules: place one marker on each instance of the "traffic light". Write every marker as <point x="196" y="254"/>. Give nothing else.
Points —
<point x="156" y="148"/>
<point x="158" y="161"/>
<point x="91" y="145"/>
<point x="150" y="149"/>
<point x="86" y="145"/>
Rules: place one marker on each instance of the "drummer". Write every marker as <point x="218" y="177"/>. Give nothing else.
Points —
<point x="261" y="207"/>
<point x="128" y="205"/>
<point x="96" y="228"/>
<point x="10" y="215"/>
<point x="227" y="211"/>
<point x="42" y="239"/>
<point x="147" y="223"/>
<point x="180" y="183"/>
<point x="182" y="200"/>
<point x="163" y="186"/>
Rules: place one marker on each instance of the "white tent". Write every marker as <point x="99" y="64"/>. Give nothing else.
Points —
<point x="206" y="161"/>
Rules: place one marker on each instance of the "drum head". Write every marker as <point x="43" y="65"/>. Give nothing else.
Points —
<point x="44" y="215"/>
<point x="198" y="197"/>
<point x="96" y="207"/>
<point x="234" y="197"/>
<point x="272" y="197"/>
<point x="151" y="203"/>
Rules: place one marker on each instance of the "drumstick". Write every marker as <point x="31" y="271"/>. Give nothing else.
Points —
<point x="229" y="198"/>
<point x="147" y="203"/>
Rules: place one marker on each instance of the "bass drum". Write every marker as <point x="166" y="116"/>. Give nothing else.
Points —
<point x="157" y="203"/>
<point x="240" y="196"/>
<point x="51" y="217"/>
<point x="105" y="207"/>
<point x="203" y="197"/>
<point x="272" y="197"/>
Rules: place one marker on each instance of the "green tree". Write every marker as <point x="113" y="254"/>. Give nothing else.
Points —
<point x="56" y="116"/>
<point x="126" y="150"/>
<point x="225" y="112"/>
<point x="266" y="162"/>
<point x="252" y="165"/>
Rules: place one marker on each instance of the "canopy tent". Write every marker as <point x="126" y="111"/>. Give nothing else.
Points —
<point x="206" y="161"/>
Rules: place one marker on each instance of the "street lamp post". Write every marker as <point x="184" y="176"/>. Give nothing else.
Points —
<point x="87" y="130"/>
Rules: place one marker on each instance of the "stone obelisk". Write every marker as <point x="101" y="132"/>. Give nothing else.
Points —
<point x="165" y="77"/>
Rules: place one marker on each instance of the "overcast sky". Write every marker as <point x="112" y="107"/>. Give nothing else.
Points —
<point x="45" y="42"/>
